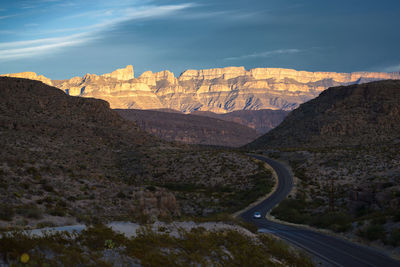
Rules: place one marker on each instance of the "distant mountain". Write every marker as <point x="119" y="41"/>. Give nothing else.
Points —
<point x="218" y="90"/>
<point x="191" y="129"/>
<point x="355" y="115"/>
<point x="262" y="120"/>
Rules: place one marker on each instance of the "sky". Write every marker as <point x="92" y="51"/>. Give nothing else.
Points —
<point x="65" y="38"/>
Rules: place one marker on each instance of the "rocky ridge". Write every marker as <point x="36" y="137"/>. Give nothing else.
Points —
<point x="190" y="129"/>
<point x="219" y="90"/>
<point x="262" y="120"/>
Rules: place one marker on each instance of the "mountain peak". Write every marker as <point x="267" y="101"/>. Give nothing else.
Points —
<point x="123" y="74"/>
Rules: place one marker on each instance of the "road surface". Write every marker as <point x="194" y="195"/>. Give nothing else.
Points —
<point x="331" y="250"/>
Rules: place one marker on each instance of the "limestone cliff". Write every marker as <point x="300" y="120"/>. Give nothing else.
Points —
<point x="218" y="90"/>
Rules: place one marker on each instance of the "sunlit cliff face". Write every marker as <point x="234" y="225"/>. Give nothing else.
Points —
<point x="218" y="90"/>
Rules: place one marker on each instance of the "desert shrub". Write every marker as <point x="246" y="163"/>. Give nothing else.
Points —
<point x="301" y="174"/>
<point x="96" y="237"/>
<point x="396" y="216"/>
<point x="45" y="224"/>
<point x="57" y="211"/>
<point x="373" y="232"/>
<point x="32" y="170"/>
<point x="6" y="212"/>
<point x="379" y="220"/>
<point x="291" y="210"/>
<point x="394" y="238"/>
<point x="151" y="188"/>
<point x="48" y="187"/>
<point x="121" y="195"/>
<point x="336" y="221"/>
<point x="281" y="250"/>
<point x="4" y="185"/>
<point x="29" y="211"/>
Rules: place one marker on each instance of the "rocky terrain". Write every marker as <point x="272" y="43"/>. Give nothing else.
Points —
<point x="190" y="129"/>
<point x="66" y="159"/>
<point x="346" y="116"/>
<point x="217" y="90"/>
<point x="343" y="148"/>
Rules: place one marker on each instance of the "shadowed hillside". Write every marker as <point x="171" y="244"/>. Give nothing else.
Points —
<point x="262" y="120"/>
<point x="341" y="116"/>
<point x="343" y="147"/>
<point x="189" y="128"/>
<point x="67" y="159"/>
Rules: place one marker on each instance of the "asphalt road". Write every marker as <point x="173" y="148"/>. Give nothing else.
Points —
<point x="331" y="250"/>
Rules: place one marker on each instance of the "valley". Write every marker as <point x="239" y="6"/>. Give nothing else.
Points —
<point x="69" y="160"/>
<point x="199" y="133"/>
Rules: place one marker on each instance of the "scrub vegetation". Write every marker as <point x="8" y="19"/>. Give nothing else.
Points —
<point x="101" y="246"/>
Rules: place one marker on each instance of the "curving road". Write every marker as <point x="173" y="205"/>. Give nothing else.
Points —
<point x="332" y="250"/>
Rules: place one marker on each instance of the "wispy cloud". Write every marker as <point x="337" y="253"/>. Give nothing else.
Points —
<point x="85" y="33"/>
<point x="266" y="54"/>
<point x="31" y="48"/>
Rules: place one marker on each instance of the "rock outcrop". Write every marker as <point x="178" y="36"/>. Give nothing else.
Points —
<point x="125" y="74"/>
<point x="218" y="90"/>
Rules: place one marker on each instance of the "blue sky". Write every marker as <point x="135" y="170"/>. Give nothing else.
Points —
<point x="61" y="39"/>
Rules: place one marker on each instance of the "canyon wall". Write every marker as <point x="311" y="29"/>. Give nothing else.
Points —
<point x="219" y="90"/>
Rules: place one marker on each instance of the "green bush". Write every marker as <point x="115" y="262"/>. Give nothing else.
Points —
<point x="97" y="236"/>
<point x="373" y="232"/>
<point x="396" y="216"/>
<point x="336" y="221"/>
<point x="394" y="238"/>
<point x="6" y="212"/>
<point x="57" y="211"/>
<point x="48" y="187"/>
<point x="291" y="210"/>
<point x="29" y="211"/>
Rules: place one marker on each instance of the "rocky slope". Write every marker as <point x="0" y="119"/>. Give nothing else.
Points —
<point x="343" y="147"/>
<point x="189" y="128"/>
<point x="262" y="120"/>
<point x="355" y="115"/>
<point x="217" y="90"/>
<point x="67" y="158"/>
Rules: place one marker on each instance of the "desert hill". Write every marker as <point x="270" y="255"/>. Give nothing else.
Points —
<point x="66" y="159"/>
<point x="341" y="116"/>
<point x="343" y="147"/>
<point x="218" y="90"/>
<point x="189" y="128"/>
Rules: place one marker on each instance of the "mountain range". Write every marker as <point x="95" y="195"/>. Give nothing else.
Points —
<point x="219" y="90"/>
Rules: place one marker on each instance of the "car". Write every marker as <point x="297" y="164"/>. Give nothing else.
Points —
<point x="257" y="215"/>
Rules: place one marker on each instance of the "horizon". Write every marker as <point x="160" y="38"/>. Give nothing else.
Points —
<point x="61" y="39"/>
<point x="138" y="74"/>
